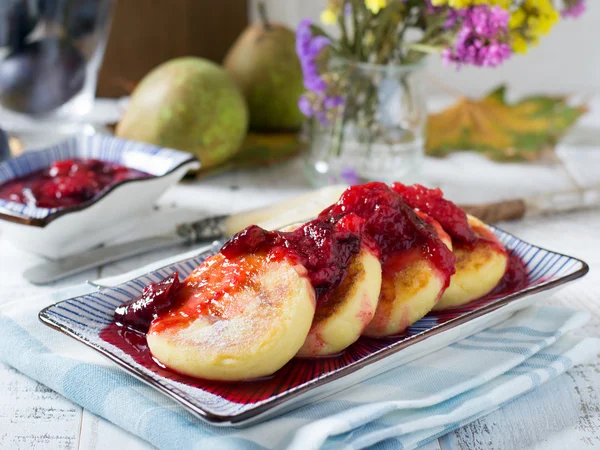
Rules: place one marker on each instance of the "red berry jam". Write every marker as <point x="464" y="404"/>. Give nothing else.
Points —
<point x="66" y="183"/>
<point x="393" y="225"/>
<point x="157" y="298"/>
<point x="431" y="201"/>
<point x="515" y="278"/>
<point x="323" y="246"/>
<point x="372" y="214"/>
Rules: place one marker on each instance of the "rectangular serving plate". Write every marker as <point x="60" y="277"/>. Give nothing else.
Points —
<point x="302" y="381"/>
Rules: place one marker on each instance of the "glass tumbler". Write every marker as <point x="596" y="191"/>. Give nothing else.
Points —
<point x="50" y="56"/>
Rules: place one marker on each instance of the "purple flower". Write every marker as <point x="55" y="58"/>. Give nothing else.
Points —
<point x="350" y="176"/>
<point x="303" y="36"/>
<point x="322" y="116"/>
<point x="332" y="101"/>
<point x="313" y="82"/>
<point x="317" y="44"/>
<point x="316" y="102"/>
<point x="308" y="48"/>
<point x="481" y="39"/>
<point x="319" y="106"/>
<point x="305" y="106"/>
<point x="574" y="9"/>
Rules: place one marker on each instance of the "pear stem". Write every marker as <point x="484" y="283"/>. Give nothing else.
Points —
<point x="262" y="12"/>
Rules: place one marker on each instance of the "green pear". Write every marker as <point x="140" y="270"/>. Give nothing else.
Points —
<point x="264" y="64"/>
<point x="189" y="104"/>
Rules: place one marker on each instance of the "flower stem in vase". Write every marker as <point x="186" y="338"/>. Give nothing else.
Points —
<point x="337" y="134"/>
<point x="371" y="100"/>
<point x="343" y="30"/>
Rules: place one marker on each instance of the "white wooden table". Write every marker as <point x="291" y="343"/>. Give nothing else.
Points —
<point x="564" y="414"/>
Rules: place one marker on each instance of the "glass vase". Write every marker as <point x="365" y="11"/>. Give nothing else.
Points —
<point x="377" y="133"/>
<point x="50" y="56"/>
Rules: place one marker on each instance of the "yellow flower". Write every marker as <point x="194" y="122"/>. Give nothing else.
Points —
<point x="328" y="17"/>
<point x="519" y="44"/>
<point x="517" y="18"/>
<point x="375" y="5"/>
<point x="533" y="19"/>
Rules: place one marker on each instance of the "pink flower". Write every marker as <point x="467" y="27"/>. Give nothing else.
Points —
<point x="574" y="9"/>
<point x="481" y="39"/>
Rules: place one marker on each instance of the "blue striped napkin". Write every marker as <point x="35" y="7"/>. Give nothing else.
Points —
<point x="405" y="407"/>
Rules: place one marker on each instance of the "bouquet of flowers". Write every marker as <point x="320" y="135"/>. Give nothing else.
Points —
<point x="465" y="32"/>
<point x="362" y="85"/>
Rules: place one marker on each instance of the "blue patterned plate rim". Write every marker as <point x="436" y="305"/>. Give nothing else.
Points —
<point x="56" y="321"/>
<point x="105" y="147"/>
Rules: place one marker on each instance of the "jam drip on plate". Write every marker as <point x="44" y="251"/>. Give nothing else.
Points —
<point x="324" y="246"/>
<point x="514" y="280"/>
<point x="66" y="183"/>
<point x="393" y="225"/>
<point x="157" y="298"/>
<point x="432" y="202"/>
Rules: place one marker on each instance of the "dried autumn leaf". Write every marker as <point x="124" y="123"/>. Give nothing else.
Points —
<point x="522" y="131"/>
